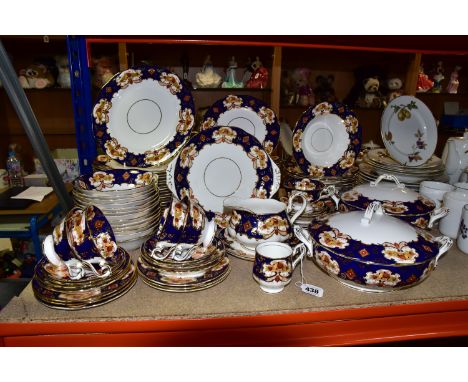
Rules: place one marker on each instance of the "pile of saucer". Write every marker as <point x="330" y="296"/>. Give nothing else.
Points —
<point x="53" y="286"/>
<point x="377" y="162"/>
<point x="128" y="198"/>
<point x="342" y="183"/>
<point x="205" y="268"/>
<point x="103" y="162"/>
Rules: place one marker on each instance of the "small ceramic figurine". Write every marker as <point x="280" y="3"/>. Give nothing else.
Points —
<point x="394" y="86"/>
<point x="438" y="78"/>
<point x="230" y="81"/>
<point x="424" y="83"/>
<point x="452" y="86"/>
<point x="207" y="78"/>
<point x="259" y="77"/>
<point x="63" y="78"/>
<point x="104" y="71"/>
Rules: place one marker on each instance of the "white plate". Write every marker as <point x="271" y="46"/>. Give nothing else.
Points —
<point x="409" y="131"/>
<point x="222" y="162"/>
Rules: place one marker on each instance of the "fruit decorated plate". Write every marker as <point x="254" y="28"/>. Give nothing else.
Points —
<point x="247" y="113"/>
<point x="326" y="140"/>
<point x="409" y="131"/>
<point x="222" y="162"/>
<point x="143" y="116"/>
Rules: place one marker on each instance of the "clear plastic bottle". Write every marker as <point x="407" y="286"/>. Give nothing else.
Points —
<point x="15" y="172"/>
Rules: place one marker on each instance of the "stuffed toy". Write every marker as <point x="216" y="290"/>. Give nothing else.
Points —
<point x="304" y="92"/>
<point x="394" y="86"/>
<point x="324" y="91"/>
<point x="371" y="97"/>
<point x="36" y="76"/>
<point x="358" y="91"/>
<point x="104" y="70"/>
<point x="63" y="78"/>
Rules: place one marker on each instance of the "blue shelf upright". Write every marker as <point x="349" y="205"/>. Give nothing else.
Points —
<point x="82" y="102"/>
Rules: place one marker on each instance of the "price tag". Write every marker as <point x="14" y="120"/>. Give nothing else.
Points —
<point x="312" y="289"/>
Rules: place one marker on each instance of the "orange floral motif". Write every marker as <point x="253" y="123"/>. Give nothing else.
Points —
<point x="128" y="77"/>
<point x="171" y="82"/>
<point x="178" y="212"/>
<point x="351" y="124"/>
<point x="400" y="252"/>
<point x="186" y="121"/>
<point x="274" y="225"/>
<point x="259" y="157"/>
<point x="316" y="171"/>
<point x="297" y="140"/>
<point x="382" y="277"/>
<point x="187" y="155"/>
<point x="154" y="157"/>
<point x="144" y="179"/>
<point x="305" y="184"/>
<point x="268" y="146"/>
<point x="101" y="180"/>
<point x="106" y="246"/>
<point x="260" y="193"/>
<point x="101" y="111"/>
<point x="323" y="108"/>
<point x="351" y="196"/>
<point x="394" y="207"/>
<point x="224" y="134"/>
<point x="209" y="122"/>
<point x="232" y="102"/>
<point x="267" y="115"/>
<point x="334" y="239"/>
<point x="277" y="271"/>
<point x="348" y="159"/>
<point x="327" y="263"/>
<point x="420" y="222"/>
<point x="115" y="150"/>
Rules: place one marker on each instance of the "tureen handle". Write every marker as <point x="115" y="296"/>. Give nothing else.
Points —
<point x="387" y="177"/>
<point x="306" y="238"/>
<point x="445" y="243"/>
<point x="437" y="214"/>
<point x="330" y="192"/>
<point x="374" y="207"/>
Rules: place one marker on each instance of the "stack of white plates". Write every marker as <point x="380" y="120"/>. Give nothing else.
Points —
<point x="103" y="162"/>
<point x="342" y="183"/>
<point x="130" y="204"/>
<point x="377" y="162"/>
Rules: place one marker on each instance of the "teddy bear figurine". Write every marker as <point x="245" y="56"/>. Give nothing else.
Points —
<point x="304" y="94"/>
<point x="395" y="90"/>
<point x="36" y="76"/>
<point x="324" y="91"/>
<point x="371" y="96"/>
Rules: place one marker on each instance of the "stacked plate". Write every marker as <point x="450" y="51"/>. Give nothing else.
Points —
<point x="128" y="198"/>
<point x="53" y="286"/>
<point x="377" y="162"/>
<point x="205" y="268"/>
<point x="103" y="162"/>
<point x="342" y="183"/>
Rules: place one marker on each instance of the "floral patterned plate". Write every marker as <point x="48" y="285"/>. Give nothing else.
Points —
<point x="326" y="140"/>
<point x="143" y="116"/>
<point x="222" y="162"/>
<point x="409" y="131"/>
<point x="248" y="113"/>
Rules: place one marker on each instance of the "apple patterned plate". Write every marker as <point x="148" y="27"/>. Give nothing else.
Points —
<point x="248" y="113"/>
<point x="222" y="162"/>
<point x="143" y="116"/>
<point x="326" y="140"/>
<point x="409" y="131"/>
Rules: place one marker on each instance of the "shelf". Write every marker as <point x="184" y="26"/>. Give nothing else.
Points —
<point x="232" y="90"/>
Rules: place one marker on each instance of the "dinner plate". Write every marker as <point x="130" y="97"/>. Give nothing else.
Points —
<point x="409" y="131"/>
<point x="247" y="113"/>
<point x="326" y="140"/>
<point x="143" y="116"/>
<point x="222" y="162"/>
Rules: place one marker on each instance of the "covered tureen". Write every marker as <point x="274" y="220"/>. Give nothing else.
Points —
<point x="372" y="251"/>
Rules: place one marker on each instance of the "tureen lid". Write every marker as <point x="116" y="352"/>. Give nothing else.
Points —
<point x="373" y="236"/>
<point x="395" y="197"/>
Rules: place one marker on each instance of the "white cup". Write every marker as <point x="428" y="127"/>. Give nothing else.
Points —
<point x="435" y="190"/>
<point x="454" y="201"/>
<point x="462" y="240"/>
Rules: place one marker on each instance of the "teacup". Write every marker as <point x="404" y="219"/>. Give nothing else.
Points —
<point x="254" y="221"/>
<point x="274" y="265"/>
<point x="90" y="235"/>
<point x="194" y="225"/>
<point x="454" y="201"/>
<point x="61" y="244"/>
<point x="435" y="191"/>
<point x="172" y="222"/>
<point x="314" y="190"/>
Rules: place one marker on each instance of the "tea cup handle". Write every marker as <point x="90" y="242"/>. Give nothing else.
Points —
<point x="304" y="236"/>
<point x="49" y="251"/>
<point x="295" y="194"/>
<point x="330" y="192"/>
<point x="445" y="243"/>
<point x="437" y="214"/>
<point x="298" y="254"/>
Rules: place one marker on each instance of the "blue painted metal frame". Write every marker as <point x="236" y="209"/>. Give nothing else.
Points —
<point x="82" y="101"/>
